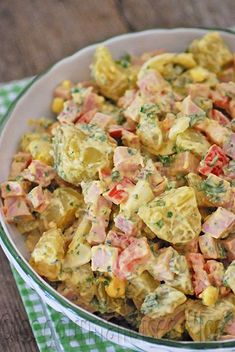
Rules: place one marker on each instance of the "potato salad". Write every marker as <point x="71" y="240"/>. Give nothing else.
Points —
<point x="126" y="197"/>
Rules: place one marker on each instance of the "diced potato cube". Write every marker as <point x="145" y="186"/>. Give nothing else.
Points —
<point x="164" y="300"/>
<point x="48" y="254"/>
<point x="173" y="216"/>
<point x="62" y="208"/>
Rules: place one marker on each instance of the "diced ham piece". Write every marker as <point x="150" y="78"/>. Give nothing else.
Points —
<point x="11" y="189"/>
<point x="133" y="110"/>
<point x="91" y="101"/>
<point x="220" y="117"/>
<point x="219" y="99"/>
<point x="200" y="276"/>
<point x="91" y="191"/>
<point x="210" y="247"/>
<point x="199" y="90"/>
<point x="38" y="198"/>
<point x="130" y="139"/>
<point x="39" y="173"/>
<point x="129" y="226"/>
<point x="229" y="245"/>
<point x="151" y="82"/>
<point x="127" y="159"/>
<point x="214" y="161"/>
<point x="16" y="207"/>
<point x="118" y="239"/>
<point x="20" y="161"/>
<point x="132" y="257"/>
<point x="127" y="98"/>
<point x="189" y="108"/>
<point x="102" y="120"/>
<point x="159" y="267"/>
<point x="229" y="146"/>
<point x="152" y="175"/>
<point x="99" y="215"/>
<point x="70" y="112"/>
<point x="120" y="192"/>
<point x="104" y="258"/>
<point x="216" y="133"/>
<point x="183" y="164"/>
<point x="220" y="223"/>
<point x="87" y="116"/>
<point x="215" y="272"/>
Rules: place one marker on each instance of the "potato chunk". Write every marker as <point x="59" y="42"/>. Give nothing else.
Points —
<point x="62" y="208"/>
<point x="48" y="254"/>
<point x="79" y="152"/>
<point x="173" y="216"/>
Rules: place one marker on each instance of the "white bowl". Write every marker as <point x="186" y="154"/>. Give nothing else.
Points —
<point x="35" y="102"/>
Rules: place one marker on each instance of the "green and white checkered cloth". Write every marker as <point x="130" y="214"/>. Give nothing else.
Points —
<point x="53" y="331"/>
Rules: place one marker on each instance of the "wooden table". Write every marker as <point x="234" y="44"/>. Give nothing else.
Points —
<point x="36" y="33"/>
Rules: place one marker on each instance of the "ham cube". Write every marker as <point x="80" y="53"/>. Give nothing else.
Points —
<point x="118" y="239"/>
<point x="229" y="146"/>
<point x="104" y="258"/>
<point x="183" y="164"/>
<point x="220" y="223"/>
<point x="210" y="247"/>
<point x="136" y="254"/>
<point x="38" y="198"/>
<point x="70" y="112"/>
<point x="127" y="159"/>
<point x="129" y="226"/>
<point x="20" y="161"/>
<point x="39" y="173"/>
<point x="11" y="189"/>
<point x="229" y="245"/>
<point x="102" y="120"/>
<point x="215" y="272"/>
<point x="200" y="277"/>
<point x="16" y="208"/>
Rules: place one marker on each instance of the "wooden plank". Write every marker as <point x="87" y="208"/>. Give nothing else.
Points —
<point x="15" y="331"/>
<point x="145" y="14"/>
<point x="38" y="33"/>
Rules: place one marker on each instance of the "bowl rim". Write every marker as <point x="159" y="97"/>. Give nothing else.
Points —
<point x="43" y="285"/>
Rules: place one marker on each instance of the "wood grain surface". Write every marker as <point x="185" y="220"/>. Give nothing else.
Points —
<point x="35" y="34"/>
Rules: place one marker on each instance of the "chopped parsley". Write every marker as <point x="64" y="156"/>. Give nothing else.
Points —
<point x="160" y="223"/>
<point x="8" y="188"/>
<point x="160" y="202"/>
<point x="214" y="191"/>
<point x="213" y="162"/>
<point x="130" y="151"/>
<point x="150" y="110"/>
<point x="165" y="159"/>
<point x="125" y="61"/>
<point x="194" y="118"/>
<point x="115" y="175"/>
<point x="169" y="214"/>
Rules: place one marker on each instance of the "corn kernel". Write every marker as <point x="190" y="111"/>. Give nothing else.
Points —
<point x="67" y="84"/>
<point x="198" y="74"/>
<point x="209" y="296"/>
<point x="116" y="288"/>
<point x="57" y="105"/>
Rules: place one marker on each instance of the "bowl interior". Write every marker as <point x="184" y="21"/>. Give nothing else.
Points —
<point x="35" y="102"/>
